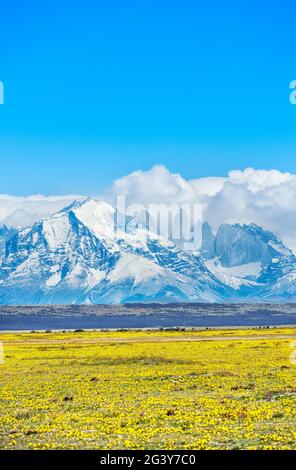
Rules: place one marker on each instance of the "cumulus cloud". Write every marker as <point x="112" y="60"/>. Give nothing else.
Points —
<point x="265" y="197"/>
<point x="257" y="180"/>
<point x="154" y="186"/>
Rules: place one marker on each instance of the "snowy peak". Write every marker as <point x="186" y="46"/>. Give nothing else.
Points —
<point x="248" y="255"/>
<point x="242" y="244"/>
<point x="97" y="216"/>
<point x="55" y="259"/>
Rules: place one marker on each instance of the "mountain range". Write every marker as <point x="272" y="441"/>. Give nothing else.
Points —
<point x="76" y="257"/>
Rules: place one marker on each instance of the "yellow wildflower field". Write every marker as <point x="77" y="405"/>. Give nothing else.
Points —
<point x="211" y="389"/>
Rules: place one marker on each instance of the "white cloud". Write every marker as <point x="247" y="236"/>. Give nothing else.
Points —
<point x="23" y="211"/>
<point x="257" y="180"/>
<point x="152" y="186"/>
<point x="265" y="197"/>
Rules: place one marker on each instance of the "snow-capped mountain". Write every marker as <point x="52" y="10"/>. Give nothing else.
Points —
<point x="76" y="256"/>
<point x="249" y="259"/>
<point x="82" y="255"/>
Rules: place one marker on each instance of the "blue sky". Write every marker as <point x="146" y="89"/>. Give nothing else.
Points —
<point x="95" y="90"/>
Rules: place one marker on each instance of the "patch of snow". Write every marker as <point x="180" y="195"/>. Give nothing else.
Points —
<point x="279" y="248"/>
<point x="235" y="276"/>
<point x="56" y="230"/>
<point x="53" y="280"/>
<point x="94" y="277"/>
<point x="98" y="217"/>
<point x="27" y="268"/>
<point x="35" y="238"/>
<point x="135" y="267"/>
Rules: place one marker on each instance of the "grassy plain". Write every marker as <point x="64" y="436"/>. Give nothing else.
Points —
<point x="213" y="389"/>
